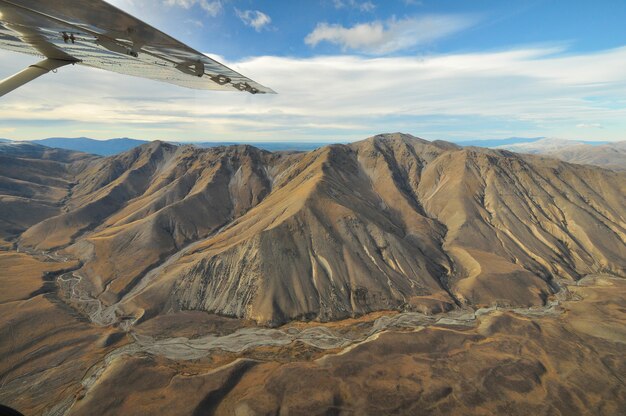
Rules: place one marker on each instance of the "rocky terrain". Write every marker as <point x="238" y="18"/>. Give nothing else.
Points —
<point x="451" y="260"/>
<point x="390" y="223"/>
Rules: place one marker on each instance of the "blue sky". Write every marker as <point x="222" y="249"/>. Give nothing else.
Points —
<point x="474" y="25"/>
<point x="347" y="69"/>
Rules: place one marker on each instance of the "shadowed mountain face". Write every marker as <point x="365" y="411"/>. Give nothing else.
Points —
<point x="34" y="184"/>
<point x="390" y="223"/>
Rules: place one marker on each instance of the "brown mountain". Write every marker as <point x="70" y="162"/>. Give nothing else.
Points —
<point x="390" y="223"/>
<point x="108" y="267"/>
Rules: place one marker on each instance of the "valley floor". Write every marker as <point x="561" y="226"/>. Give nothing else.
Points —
<point x="565" y="358"/>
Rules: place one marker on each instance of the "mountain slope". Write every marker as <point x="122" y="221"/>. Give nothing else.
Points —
<point x="102" y="189"/>
<point x="514" y="221"/>
<point x="34" y="183"/>
<point x="392" y="222"/>
<point x="192" y="195"/>
<point x="319" y="246"/>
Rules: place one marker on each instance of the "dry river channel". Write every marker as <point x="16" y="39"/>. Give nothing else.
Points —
<point x="337" y="339"/>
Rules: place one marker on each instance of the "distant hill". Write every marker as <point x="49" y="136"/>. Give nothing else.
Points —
<point x="5" y="141"/>
<point x="525" y="144"/>
<point x="32" y="150"/>
<point x="115" y="146"/>
<point x="96" y="147"/>
<point x="498" y="142"/>
<point x="610" y="155"/>
<point x="546" y="144"/>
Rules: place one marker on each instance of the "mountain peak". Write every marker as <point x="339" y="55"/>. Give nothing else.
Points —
<point x="158" y="144"/>
<point x="399" y="138"/>
<point x="396" y="137"/>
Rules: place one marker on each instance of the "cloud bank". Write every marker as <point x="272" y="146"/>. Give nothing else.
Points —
<point x="527" y="92"/>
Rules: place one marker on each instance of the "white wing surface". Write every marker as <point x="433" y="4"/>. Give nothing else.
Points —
<point x="97" y="34"/>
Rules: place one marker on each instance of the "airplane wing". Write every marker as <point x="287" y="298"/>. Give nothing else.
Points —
<point x="97" y="34"/>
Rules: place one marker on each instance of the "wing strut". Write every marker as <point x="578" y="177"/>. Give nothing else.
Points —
<point x="32" y="72"/>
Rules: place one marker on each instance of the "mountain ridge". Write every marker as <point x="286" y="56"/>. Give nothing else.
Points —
<point x="610" y="155"/>
<point x="111" y="147"/>
<point x="391" y="222"/>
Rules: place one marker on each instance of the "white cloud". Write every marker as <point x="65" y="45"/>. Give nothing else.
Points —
<point x="195" y="22"/>
<point x="589" y="126"/>
<point x="141" y="7"/>
<point x="254" y="18"/>
<point x="364" y="6"/>
<point x="529" y="92"/>
<point x="393" y="35"/>
<point x="212" y="7"/>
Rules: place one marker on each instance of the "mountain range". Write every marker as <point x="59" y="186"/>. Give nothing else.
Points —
<point x="609" y="155"/>
<point x="392" y="222"/>
<point x="115" y="146"/>
<point x="389" y="276"/>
